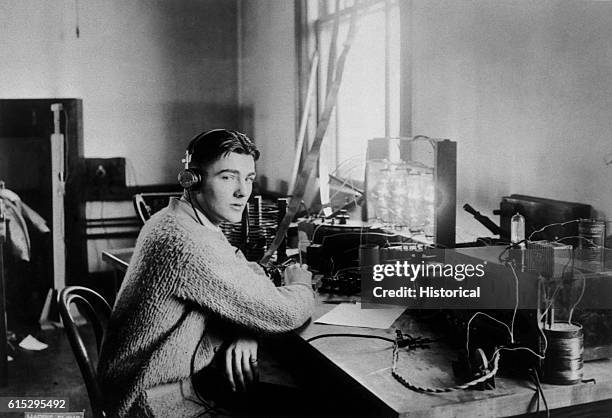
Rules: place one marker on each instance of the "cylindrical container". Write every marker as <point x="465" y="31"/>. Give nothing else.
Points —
<point x="563" y="358"/>
<point x="517" y="229"/>
<point x="591" y="243"/>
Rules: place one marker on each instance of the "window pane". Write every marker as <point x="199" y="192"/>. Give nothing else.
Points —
<point x="360" y="111"/>
<point x="362" y="93"/>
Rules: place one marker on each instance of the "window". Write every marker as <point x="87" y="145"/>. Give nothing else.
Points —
<point x="368" y="104"/>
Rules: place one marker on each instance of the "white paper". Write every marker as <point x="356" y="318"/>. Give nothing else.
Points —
<point x="31" y="343"/>
<point x="9" y="358"/>
<point x="351" y="315"/>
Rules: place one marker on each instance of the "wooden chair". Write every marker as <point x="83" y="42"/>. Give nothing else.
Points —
<point x="95" y="308"/>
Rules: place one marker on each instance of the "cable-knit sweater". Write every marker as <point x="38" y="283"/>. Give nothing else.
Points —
<point x="184" y="286"/>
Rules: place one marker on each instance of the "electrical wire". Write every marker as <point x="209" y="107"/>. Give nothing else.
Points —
<point x="571" y="311"/>
<point x="467" y="338"/>
<point x="549" y="225"/>
<point x="416" y="388"/>
<point x="358" y="157"/>
<point x="511" y="265"/>
<point x="208" y="408"/>
<point x="190" y="200"/>
<point x="552" y="299"/>
<point x="571" y="260"/>
<point x="346" y="181"/>
<point x="500" y="349"/>
<point x="314" y="234"/>
<point x="540" y="390"/>
<point x="541" y="331"/>
<point x="516" y="300"/>
<point x="376" y="337"/>
<point x="357" y="268"/>
<point x="395" y="358"/>
<point x="505" y="250"/>
<point x="582" y="238"/>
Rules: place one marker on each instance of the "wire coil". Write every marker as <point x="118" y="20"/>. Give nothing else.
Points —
<point x="563" y="363"/>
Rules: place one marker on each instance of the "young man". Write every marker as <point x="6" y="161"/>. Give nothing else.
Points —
<point x="189" y="294"/>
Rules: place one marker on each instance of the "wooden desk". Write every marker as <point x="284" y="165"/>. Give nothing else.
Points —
<point x="362" y="367"/>
<point x="366" y="364"/>
<point x="119" y="259"/>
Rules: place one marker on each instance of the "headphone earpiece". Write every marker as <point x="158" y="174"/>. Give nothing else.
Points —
<point x="190" y="178"/>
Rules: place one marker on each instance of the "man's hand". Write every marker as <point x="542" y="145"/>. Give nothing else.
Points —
<point x="241" y="363"/>
<point x="297" y="273"/>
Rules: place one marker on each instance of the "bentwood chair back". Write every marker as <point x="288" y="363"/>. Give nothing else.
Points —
<point x="95" y="308"/>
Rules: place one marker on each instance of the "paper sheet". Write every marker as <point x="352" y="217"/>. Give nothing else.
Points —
<point x="351" y="315"/>
<point x="31" y="343"/>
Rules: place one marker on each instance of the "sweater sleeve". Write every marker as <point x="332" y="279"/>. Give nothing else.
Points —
<point x="252" y="264"/>
<point x="219" y="280"/>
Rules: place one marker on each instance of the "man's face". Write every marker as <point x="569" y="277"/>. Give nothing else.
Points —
<point x="226" y="187"/>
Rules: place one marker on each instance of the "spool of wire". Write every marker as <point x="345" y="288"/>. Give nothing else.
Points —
<point x="563" y="362"/>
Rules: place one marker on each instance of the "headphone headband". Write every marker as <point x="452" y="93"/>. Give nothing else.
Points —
<point x="196" y="139"/>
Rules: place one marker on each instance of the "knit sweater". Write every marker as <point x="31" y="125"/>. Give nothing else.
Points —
<point x="184" y="288"/>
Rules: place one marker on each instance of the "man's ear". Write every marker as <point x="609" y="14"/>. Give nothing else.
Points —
<point x="203" y="176"/>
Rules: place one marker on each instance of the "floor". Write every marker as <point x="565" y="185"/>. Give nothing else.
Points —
<point x="52" y="372"/>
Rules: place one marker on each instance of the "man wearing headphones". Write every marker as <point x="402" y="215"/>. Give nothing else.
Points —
<point x="189" y="294"/>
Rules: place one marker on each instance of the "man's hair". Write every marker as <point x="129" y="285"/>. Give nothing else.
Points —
<point x="209" y="146"/>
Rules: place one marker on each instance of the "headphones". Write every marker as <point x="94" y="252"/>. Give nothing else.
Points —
<point x="190" y="178"/>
